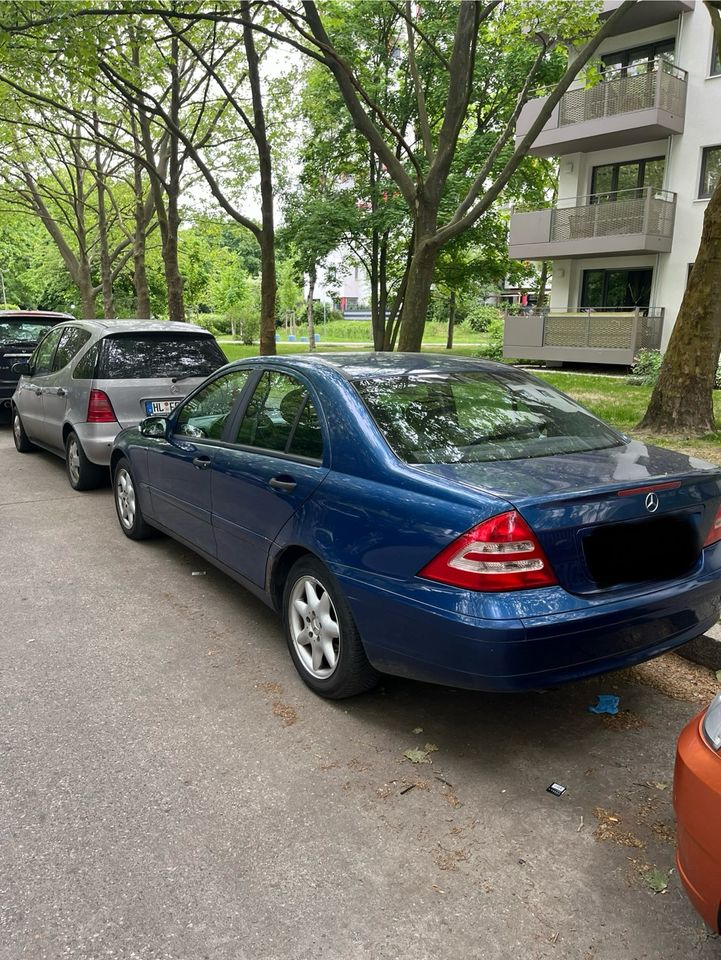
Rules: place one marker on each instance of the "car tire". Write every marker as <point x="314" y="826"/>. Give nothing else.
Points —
<point x="323" y="640"/>
<point x="82" y="473"/>
<point x="22" y="442"/>
<point x="130" y="516"/>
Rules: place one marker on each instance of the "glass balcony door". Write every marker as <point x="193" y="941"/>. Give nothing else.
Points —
<point x="616" y="289"/>
<point x="609" y="179"/>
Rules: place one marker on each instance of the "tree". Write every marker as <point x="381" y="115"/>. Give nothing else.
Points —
<point x="493" y="40"/>
<point x="49" y="169"/>
<point x="682" y="398"/>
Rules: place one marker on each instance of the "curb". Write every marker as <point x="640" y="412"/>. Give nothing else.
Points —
<point x="705" y="650"/>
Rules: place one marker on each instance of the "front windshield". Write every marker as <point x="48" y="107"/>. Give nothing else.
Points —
<point x="476" y="415"/>
<point x="23" y="331"/>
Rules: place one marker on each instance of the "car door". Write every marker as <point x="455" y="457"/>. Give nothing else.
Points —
<point x="59" y="384"/>
<point x="29" y="398"/>
<point x="277" y="458"/>
<point x="179" y="468"/>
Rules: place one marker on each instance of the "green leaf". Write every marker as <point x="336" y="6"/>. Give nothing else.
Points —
<point x="656" y="879"/>
<point x="417" y="756"/>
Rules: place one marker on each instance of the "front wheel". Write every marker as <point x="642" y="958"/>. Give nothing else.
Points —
<point x="82" y="473"/>
<point x="130" y="515"/>
<point x="322" y="638"/>
<point x="22" y="442"/>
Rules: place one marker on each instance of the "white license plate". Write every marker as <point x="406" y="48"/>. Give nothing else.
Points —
<point x="160" y="408"/>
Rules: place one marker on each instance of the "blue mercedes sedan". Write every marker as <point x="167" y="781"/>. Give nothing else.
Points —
<point x="452" y="520"/>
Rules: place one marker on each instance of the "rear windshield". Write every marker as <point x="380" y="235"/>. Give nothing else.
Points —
<point x="24" y="331"/>
<point x="474" y="416"/>
<point x="142" y="356"/>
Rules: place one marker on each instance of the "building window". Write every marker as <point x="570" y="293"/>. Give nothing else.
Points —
<point x="616" y="289"/>
<point x="710" y="171"/>
<point x="608" y="180"/>
<point x="715" y="60"/>
<point x="638" y="60"/>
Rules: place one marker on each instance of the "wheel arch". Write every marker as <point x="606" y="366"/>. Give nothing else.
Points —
<point x="281" y="568"/>
<point x="115" y="458"/>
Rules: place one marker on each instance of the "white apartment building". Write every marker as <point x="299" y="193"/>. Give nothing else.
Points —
<point x="639" y="155"/>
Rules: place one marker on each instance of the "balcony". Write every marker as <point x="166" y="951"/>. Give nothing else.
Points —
<point x="588" y="337"/>
<point x="623" y="108"/>
<point x="634" y="221"/>
<point x="647" y="13"/>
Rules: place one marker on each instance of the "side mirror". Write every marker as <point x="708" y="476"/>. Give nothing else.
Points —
<point x="156" y="427"/>
<point x="22" y="367"/>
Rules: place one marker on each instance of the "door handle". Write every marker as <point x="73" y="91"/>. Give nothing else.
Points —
<point x="283" y="482"/>
<point x="202" y="463"/>
<point x="61" y="392"/>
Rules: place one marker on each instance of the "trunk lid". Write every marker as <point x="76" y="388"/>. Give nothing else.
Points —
<point x="593" y="517"/>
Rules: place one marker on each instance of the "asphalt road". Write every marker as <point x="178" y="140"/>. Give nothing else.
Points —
<point x="169" y="790"/>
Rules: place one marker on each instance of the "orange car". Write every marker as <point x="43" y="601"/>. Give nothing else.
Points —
<point x="697" y="802"/>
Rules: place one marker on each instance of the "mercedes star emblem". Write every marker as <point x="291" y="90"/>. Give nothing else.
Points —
<point x="651" y="502"/>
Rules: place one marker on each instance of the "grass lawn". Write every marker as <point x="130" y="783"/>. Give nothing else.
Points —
<point x="610" y="398"/>
<point x="614" y="400"/>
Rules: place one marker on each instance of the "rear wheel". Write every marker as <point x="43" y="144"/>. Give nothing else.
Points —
<point x="322" y="638"/>
<point x="22" y="443"/>
<point x="127" y="507"/>
<point x="82" y="473"/>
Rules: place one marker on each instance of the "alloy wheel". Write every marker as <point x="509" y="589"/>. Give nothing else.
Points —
<point x="314" y="627"/>
<point x="125" y="498"/>
<point x="74" y="461"/>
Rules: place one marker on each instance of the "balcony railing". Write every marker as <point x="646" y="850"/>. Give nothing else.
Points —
<point x="627" y="106"/>
<point x="642" y="210"/>
<point x="662" y="86"/>
<point x="625" y="221"/>
<point x="600" y="336"/>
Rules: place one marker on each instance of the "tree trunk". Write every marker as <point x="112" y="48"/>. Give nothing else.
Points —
<point x="86" y="290"/>
<point x="542" y="284"/>
<point x="682" y="400"/>
<point x="417" y="297"/>
<point x="451" y="319"/>
<point x="106" y="275"/>
<point x="309" y="307"/>
<point x="176" y="305"/>
<point x="265" y="167"/>
<point x="140" y="275"/>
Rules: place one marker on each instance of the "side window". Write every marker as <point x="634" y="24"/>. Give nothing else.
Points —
<point x="42" y="358"/>
<point x="204" y="416"/>
<point x="85" y="367"/>
<point x="281" y="417"/>
<point x="72" y="340"/>
<point x="710" y="171"/>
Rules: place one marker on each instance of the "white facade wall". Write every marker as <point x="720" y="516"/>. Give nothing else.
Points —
<point x="694" y="50"/>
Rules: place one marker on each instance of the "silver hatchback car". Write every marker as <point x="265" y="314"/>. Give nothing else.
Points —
<point x="89" y="379"/>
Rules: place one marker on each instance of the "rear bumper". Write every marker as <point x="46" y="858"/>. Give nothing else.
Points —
<point x="697" y="801"/>
<point x="97" y="439"/>
<point x="407" y="631"/>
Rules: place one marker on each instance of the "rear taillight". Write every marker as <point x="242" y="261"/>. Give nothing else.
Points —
<point x="100" y="409"/>
<point x="501" y="553"/>
<point x="714" y="534"/>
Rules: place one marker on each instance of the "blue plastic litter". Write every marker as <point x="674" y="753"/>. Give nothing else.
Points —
<point x="607" y="703"/>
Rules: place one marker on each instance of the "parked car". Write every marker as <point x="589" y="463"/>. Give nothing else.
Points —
<point x="20" y="331"/>
<point x="697" y="802"/>
<point x="89" y="379"/>
<point x="446" y="519"/>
